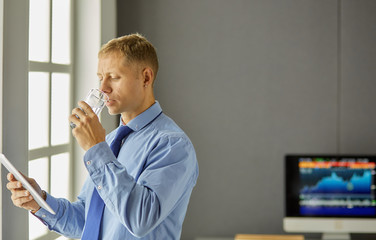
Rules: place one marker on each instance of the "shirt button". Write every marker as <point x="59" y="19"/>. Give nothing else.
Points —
<point x="88" y="162"/>
<point x="43" y="216"/>
<point x="99" y="187"/>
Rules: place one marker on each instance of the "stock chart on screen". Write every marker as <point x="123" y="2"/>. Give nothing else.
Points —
<point x="337" y="187"/>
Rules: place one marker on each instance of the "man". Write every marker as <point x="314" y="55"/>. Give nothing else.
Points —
<point x="145" y="190"/>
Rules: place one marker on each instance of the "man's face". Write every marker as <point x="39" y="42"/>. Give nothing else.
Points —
<point x="122" y="82"/>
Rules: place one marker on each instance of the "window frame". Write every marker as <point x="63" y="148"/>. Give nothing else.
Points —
<point x="50" y="150"/>
<point x="87" y="41"/>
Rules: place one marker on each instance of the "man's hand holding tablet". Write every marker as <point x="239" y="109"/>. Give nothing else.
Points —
<point x="26" y="192"/>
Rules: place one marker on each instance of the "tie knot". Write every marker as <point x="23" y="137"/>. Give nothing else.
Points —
<point x="122" y="132"/>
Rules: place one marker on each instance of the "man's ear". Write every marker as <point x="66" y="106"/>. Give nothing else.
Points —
<point x="148" y="76"/>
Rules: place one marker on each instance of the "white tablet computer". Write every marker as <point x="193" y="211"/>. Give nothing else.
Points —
<point x="25" y="183"/>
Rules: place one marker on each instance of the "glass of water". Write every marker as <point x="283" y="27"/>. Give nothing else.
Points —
<point x="96" y="99"/>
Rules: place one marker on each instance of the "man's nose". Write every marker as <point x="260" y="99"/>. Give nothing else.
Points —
<point x="105" y="86"/>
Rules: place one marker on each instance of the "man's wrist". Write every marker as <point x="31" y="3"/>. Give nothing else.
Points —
<point x="34" y="211"/>
<point x="44" y="196"/>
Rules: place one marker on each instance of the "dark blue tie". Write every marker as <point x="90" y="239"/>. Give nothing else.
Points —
<point x="94" y="216"/>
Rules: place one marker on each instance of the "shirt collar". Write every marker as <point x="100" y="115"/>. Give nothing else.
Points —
<point x="145" y="117"/>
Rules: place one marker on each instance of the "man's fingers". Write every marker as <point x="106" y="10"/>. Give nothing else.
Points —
<point x="22" y="200"/>
<point x="73" y="119"/>
<point x="83" y="115"/>
<point x="20" y="194"/>
<point x="86" y="108"/>
<point x="21" y="197"/>
<point x="78" y="113"/>
<point x="14" y="185"/>
<point x="10" y="177"/>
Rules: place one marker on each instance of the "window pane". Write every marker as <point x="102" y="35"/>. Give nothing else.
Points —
<point x="38" y="169"/>
<point x="62" y="238"/>
<point x="39" y="30"/>
<point x="61" y="31"/>
<point x="60" y="175"/>
<point x="60" y="108"/>
<point x="38" y="109"/>
<point x="36" y="228"/>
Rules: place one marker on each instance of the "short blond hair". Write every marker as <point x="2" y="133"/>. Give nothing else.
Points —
<point x="135" y="48"/>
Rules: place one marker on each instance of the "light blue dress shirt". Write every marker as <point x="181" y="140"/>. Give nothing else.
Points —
<point x="146" y="189"/>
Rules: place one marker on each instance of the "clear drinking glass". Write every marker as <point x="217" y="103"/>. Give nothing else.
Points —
<point x="96" y="99"/>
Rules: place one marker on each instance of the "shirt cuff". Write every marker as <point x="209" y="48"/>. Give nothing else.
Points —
<point x="45" y="216"/>
<point x="97" y="157"/>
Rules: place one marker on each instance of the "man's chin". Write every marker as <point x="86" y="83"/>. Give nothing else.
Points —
<point x="112" y="112"/>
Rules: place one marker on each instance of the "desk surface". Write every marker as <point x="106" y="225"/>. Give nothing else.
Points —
<point x="268" y="237"/>
<point x="213" y="238"/>
<point x="229" y="238"/>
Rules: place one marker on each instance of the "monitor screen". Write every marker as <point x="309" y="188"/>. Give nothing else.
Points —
<point x="330" y="194"/>
<point x="330" y="186"/>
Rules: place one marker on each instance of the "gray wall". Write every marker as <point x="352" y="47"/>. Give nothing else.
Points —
<point x="252" y="80"/>
<point x="358" y="85"/>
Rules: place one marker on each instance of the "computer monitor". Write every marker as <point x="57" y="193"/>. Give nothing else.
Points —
<point x="330" y="194"/>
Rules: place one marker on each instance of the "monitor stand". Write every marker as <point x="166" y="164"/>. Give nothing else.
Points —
<point x="335" y="236"/>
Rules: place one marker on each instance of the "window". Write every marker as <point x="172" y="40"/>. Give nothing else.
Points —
<point x="50" y="94"/>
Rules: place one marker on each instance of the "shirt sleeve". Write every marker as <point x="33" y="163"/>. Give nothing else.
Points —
<point x="169" y="172"/>
<point x="69" y="219"/>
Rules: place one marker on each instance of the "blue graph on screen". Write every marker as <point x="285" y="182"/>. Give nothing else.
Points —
<point x="336" y="191"/>
<point x="357" y="184"/>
